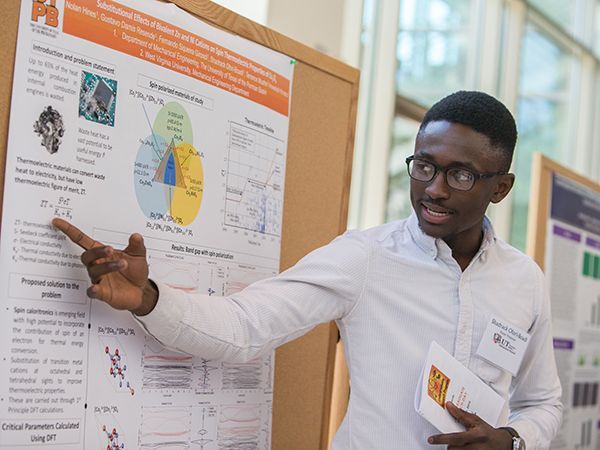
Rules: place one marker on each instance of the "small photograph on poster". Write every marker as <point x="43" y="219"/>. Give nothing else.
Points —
<point x="98" y="99"/>
<point x="50" y="128"/>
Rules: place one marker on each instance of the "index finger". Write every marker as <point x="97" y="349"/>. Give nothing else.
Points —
<point x="75" y="234"/>
<point x="460" y="438"/>
<point x="463" y="417"/>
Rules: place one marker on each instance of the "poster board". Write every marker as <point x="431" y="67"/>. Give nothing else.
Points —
<point x="321" y="134"/>
<point x="564" y="239"/>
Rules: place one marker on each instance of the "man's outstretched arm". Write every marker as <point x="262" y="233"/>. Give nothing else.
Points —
<point x="323" y="286"/>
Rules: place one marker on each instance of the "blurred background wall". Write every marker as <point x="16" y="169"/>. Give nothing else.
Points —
<point x="540" y="57"/>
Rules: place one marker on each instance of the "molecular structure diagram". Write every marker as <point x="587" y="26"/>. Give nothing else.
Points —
<point x="116" y="370"/>
<point x="113" y="439"/>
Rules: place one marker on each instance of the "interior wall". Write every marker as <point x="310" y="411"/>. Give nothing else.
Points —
<point x="315" y="23"/>
<point x="255" y="10"/>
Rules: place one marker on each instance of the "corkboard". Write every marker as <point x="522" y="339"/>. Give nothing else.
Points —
<point x="321" y="140"/>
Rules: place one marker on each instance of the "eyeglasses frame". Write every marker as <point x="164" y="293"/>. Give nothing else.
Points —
<point x="477" y="175"/>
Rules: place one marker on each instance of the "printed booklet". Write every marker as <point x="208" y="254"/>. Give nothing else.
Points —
<point x="444" y="379"/>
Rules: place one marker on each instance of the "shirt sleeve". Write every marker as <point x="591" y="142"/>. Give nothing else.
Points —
<point x="536" y="408"/>
<point x="323" y="286"/>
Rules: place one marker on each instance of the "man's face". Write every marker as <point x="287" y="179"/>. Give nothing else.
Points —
<point x="444" y="212"/>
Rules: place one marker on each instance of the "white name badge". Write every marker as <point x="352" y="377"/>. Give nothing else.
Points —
<point x="504" y="345"/>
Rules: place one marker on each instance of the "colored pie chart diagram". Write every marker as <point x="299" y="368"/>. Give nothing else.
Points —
<point x="168" y="173"/>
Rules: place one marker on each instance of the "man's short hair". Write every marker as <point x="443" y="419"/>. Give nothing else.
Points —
<point x="482" y="113"/>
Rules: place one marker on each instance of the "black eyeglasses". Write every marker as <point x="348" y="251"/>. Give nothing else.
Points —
<point x="457" y="178"/>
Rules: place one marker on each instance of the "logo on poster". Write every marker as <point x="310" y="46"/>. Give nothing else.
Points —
<point x="46" y="10"/>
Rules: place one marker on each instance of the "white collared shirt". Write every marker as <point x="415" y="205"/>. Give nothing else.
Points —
<point x="392" y="290"/>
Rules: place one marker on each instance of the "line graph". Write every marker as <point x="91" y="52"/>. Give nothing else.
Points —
<point x="178" y="274"/>
<point x="246" y="375"/>
<point x="238" y="279"/>
<point x="239" y="427"/>
<point x="254" y="186"/>
<point x="204" y="370"/>
<point x="205" y="278"/>
<point x="165" y="427"/>
<point x="206" y="419"/>
<point x="269" y="365"/>
<point x="164" y="369"/>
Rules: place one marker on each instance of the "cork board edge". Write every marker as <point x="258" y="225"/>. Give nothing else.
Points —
<point x="543" y="168"/>
<point x="229" y="21"/>
<point x="9" y="24"/>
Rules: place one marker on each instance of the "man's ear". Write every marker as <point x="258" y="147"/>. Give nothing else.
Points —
<point x="503" y="187"/>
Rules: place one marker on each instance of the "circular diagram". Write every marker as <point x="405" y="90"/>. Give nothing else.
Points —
<point x="168" y="174"/>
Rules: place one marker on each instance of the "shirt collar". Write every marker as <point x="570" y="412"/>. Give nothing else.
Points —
<point x="432" y="246"/>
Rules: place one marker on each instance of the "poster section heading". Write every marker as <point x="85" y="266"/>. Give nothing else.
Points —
<point x="575" y="204"/>
<point x="120" y="28"/>
<point x="24" y="432"/>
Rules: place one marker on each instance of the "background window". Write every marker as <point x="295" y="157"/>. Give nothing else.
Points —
<point x="561" y="12"/>
<point x="435" y="41"/>
<point x="403" y="144"/>
<point x="542" y="116"/>
<point x="597" y="30"/>
<point x="539" y="57"/>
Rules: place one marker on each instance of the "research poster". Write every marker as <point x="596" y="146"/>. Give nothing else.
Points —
<point x="573" y="272"/>
<point x="134" y="116"/>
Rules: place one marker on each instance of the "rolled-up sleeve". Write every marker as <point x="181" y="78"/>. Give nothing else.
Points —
<point x="323" y="286"/>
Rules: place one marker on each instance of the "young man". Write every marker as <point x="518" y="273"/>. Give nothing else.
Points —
<point x="440" y="275"/>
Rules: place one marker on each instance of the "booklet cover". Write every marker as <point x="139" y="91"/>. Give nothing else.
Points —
<point x="444" y="379"/>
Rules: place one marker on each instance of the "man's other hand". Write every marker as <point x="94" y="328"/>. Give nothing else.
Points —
<point x="119" y="277"/>
<point x="479" y="435"/>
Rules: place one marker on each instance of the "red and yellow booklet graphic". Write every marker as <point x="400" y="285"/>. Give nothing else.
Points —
<point x="444" y="379"/>
<point x="437" y="387"/>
